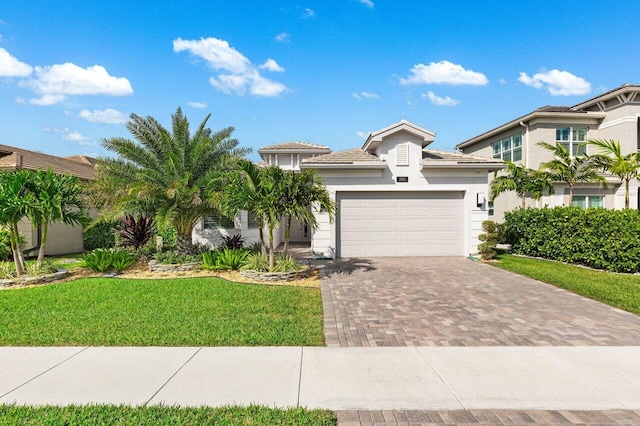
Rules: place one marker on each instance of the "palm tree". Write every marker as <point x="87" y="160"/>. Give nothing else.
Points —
<point x="171" y="175"/>
<point x="523" y="181"/>
<point x="570" y="169"/>
<point x="58" y="199"/>
<point x="302" y="191"/>
<point x="626" y="167"/>
<point x="16" y="203"/>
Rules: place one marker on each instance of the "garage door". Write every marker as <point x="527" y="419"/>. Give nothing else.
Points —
<point x="374" y="224"/>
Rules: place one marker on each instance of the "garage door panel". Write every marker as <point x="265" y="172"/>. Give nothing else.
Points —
<point x="400" y="224"/>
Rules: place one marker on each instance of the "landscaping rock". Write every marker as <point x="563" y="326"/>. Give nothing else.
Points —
<point x="178" y="267"/>
<point x="275" y="276"/>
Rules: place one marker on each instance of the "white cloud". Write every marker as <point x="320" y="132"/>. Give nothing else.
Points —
<point x="503" y="81"/>
<point x="444" y="72"/>
<point x="283" y="37"/>
<point x="367" y="3"/>
<point x="363" y="135"/>
<point x="12" y="67"/>
<point x="194" y="104"/>
<point x="109" y="116"/>
<point x="241" y="75"/>
<point x="365" y="95"/>
<point x="308" y="13"/>
<point x="558" y="83"/>
<point x="271" y="65"/>
<point x="87" y="143"/>
<point x="56" y="82"/>
<point x="58" y="130"/>
<point x="441" y="101"/>
<point x="20" y="100"/>
<point x="74" y="137"/>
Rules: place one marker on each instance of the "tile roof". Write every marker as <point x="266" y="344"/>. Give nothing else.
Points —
<point x="349" y="156"/>
<point x="295" y="145"/>
<point x="12" y="158"/>
<point x="460" y="158"/>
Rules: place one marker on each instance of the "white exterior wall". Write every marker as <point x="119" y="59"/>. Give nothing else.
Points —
<point x="214" y="237"/>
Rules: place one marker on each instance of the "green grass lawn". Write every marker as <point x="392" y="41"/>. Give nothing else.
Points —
<point x="162" y="415"/>
<point x="619" y="290"/>
<point x="172" y="312"/>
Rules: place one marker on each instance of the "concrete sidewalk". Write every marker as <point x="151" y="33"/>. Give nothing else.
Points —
<point x="400" y="378"/>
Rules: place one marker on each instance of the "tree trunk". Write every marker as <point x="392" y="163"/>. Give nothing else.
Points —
<point x="626" y="193"/>
<point x="272" y="260"/>
<point x="570" y="195"/>
<point x="287" y="235"/>
<point x="185" y="246"/>
<point x="43" y="241"/>
<point x="524" y="202"/>
<point x="18" y="257"/>
<point x="263" y="246"/>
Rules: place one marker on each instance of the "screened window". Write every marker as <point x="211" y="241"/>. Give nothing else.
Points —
<point x="253" y="223"/>
<point x="574" y="139"/>
<point x="509" y="148"/>
<point x="588" y="201"/>
<point x="216" y="220"/>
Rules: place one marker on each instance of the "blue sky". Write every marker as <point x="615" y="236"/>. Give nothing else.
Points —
<point x="324" y="72"/>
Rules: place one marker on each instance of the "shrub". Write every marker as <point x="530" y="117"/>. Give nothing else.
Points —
<point x="47" y="268"/>
<point x="122" y="260"/>
<point x="101" y="235"/>
<point x="598" y="238"/>
<point x="103" y="260"/>
<point x="7" y="270"/>
<point x="489" y="240"/>
<point x="226" y="259"/>
<point x="5" y="244"/>
<point x="233" y="242"/>
<point x="172" y="258"/>
<point x="259" y="262"/>
<point x="256" y="261"/>
<point x="136" y="233"/>
<point x="286" y="264"/>
<point x="169" y="236"/>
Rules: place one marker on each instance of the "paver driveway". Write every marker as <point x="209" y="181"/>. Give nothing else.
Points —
<point x="451" y="301"/>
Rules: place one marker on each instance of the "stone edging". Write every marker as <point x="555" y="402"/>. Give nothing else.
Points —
<point x="39" y="279"/>
<point x="178" y="267"/>
<point x="275" y="276"/>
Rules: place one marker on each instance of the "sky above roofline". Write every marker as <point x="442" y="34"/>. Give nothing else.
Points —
<point x="323" y="72"/>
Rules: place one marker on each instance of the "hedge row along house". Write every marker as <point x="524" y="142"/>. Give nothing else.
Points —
<point x="62" y="238"/>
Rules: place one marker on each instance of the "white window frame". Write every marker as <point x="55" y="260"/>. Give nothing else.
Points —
<point x="505" y="148"/>
<point x="587" y="200"/>
<point x="573" y="145"/>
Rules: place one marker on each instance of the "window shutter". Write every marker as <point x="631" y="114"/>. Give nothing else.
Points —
<point x="402" y="155"/>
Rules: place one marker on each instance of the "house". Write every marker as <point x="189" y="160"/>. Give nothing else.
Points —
<point x="611" y="115"/>
<point x="62" y="238"/>
<point x="394" y="196"/>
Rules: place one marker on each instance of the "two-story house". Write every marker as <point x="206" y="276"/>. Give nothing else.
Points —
<point x="611" y="115"/>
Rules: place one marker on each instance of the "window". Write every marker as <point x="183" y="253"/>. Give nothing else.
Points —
<point x="574" y="139"/>
<point x="253" y="223"/>
<point x="491" y="211"/>
<point x="509" y="148"/>
<point x="216" y="220"/>
<point x="590" y="201"/>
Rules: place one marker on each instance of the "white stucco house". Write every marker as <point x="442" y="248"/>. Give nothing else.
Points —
<point x="394" y="197"/>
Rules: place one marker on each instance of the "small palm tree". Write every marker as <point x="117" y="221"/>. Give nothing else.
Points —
<point x="626" y="167"/>
<point x="523" y="181"/>
<point x="171" y="175"/>
<point x="58" y="199"/>
<point x="301" y="191"/>
<point x="570" y="169"/>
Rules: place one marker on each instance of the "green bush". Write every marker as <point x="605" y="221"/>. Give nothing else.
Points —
<point x="224" y="260"/>
<point x="256" y="261"/>
<point x="598" y="238"/>
<point x="103" y="260"/>
<point x="488" y="239"/>
<point x="286" y="264"/>
<point x="7" y="270"/>
<point x="101" y="235"/>
<point x="169" y="236"/>
<point x="172" y="258"/>
<point x="5" y="244"/>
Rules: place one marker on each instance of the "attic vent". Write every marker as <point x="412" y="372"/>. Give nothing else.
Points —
<point x="402" y="155"/>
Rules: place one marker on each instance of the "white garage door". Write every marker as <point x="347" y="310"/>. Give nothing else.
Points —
<point x="374" y="224"/>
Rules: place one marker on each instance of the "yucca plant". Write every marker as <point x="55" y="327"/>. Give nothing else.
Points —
<point x="98" y="260"/>
<point x="136" y="232"/>
<point x="122" y="260"/>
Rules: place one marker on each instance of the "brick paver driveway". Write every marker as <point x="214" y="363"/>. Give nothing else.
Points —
<point x="451" y="301"/>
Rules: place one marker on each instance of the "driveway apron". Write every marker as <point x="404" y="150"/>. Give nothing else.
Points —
<point x="453" y="301"/>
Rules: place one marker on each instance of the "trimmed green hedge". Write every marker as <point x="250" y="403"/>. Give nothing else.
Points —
<point x="101" y="235"/>
<point x="598" y="238"/>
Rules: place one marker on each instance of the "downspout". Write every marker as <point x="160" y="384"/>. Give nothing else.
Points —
<point x="526" y="141"/>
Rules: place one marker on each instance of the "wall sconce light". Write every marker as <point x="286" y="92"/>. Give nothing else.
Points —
<point x="480" y="199"/>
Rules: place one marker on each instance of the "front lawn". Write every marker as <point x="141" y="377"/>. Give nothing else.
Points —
<point x="172" y="312"/>
<point x="619" y="290"/>
<point x="162" y="415"/>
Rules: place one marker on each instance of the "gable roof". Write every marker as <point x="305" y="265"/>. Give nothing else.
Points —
<point x="620" y="90"/>
<point x="350" y="157"/>
<point x="12" y="158"/>
<point x="375" y="139"/>
<point x="295" y="146"/>
<point x="436" y="159"/>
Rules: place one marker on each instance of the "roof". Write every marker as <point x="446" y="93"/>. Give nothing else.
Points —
<point x="375" y="138"/>
<point x="349" y="157"/>
<point x="12" y="158"/>
<point x="607" y="95"/>
<point x="431" y="158"/>
<point x="295" y="146"/>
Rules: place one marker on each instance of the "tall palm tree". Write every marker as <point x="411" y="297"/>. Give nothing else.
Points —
<point x="302" y="192"/>
<point x="523" y="181"/>
<point x="570" y="169"/>
<point x="626" y="167"/>
<point x="16" y="203"/>
<point x="168" y="174"/>
<point x="58" y="199"/>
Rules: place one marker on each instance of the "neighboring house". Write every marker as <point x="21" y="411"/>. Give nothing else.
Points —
<point x="393" y="196"/>
<point x="611" y="115"/>
<point x="62" y="239"/>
